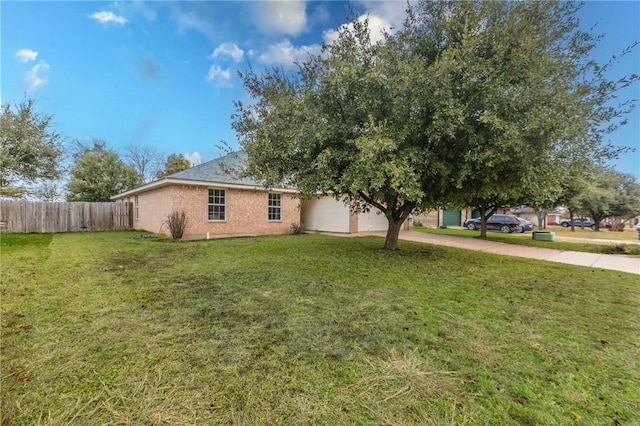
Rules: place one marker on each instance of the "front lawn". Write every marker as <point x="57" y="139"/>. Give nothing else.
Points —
<point x="586" y="241"/>
<point x="110" y="328"/>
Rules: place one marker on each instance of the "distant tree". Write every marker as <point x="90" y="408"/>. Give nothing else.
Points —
<point x="48" y="191"/>
<point x="147" y="160"/>
<point x="175" y="163"/>
<point x="571" y="193"/>
<point x="29" y="148"/>
<point x="468" y="103"/>
<point x="626" y="205"/>
<point x="98" y="174"/>
<point x="611" y="194"/>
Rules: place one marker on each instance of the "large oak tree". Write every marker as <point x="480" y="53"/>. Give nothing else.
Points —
<point x="469" y="103"/>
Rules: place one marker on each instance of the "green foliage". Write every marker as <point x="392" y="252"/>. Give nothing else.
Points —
<point x="468" y="103"/>
<point x="29" y="147"/>
<point x="611" y="194"/>
<point x="98" y="174"/>
<point x="175" y="163"/>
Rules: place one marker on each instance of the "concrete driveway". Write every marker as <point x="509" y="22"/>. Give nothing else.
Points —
<point x="603" y="261"/>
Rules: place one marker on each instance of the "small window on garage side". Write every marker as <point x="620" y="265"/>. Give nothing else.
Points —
<point x="275" y="207"/>
<point x="137" y="208"/>
<point x="217" y="204"/>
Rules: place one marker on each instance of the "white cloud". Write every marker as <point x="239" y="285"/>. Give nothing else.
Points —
<point x="194" y="158"/>
<point x="228" y="49"/>
<point x="199" y="19"/>
<point x="392" y="11"/>
<point x="281" y="17"/>
<point x="106" y="18"/>
<point x="34" y="77"/>
<point x="377" y="26"/>
<point x="284" y="53"/>
<point x="26" y="55"/>
<point x="219" y="77"/>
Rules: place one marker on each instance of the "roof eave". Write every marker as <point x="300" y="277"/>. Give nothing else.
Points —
<point x="173" y="181"/>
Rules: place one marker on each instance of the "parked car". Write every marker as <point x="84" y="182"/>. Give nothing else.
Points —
<point x="525" y="224"/>
<point x="498" y="222"/>
<point x="578" y="222"/>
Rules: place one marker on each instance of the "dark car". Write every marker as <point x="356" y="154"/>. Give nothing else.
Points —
<point x="525" y="224"/>
<point x="578" y="223"/>
<point x="498" y="222"/>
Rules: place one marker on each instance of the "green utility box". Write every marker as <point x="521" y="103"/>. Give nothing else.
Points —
<point x="543" y="235"/>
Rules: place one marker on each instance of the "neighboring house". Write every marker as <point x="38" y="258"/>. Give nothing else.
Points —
<point x="217" y="203"/>
<point x="553" y="217"/>
<point x="443" y="217"/>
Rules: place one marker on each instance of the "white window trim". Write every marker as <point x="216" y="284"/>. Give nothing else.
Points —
<point x="213" y="204"/>
<point x="278" y="207"/>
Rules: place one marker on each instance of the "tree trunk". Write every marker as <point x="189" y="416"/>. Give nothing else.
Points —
<point x="391" y="240"/>
<point x="542" y="222"/>
<point x="573" y="227"/>
<point x="483" y="224"/>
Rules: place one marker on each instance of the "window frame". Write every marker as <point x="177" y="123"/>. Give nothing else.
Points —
<point x="214" y="194"/>
<point x="274" y="211"/>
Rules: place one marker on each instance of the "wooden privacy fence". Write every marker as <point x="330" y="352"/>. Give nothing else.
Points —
<point x="28" y="216"/>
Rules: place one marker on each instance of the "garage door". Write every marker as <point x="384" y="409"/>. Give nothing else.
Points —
<point x="325" y="214"/>
<point x="374" y="220"/>
<point x="452" y="217"/>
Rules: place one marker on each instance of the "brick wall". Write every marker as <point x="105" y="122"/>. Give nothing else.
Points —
<point x="152" y="209"/>
<point x="246" y="211"/>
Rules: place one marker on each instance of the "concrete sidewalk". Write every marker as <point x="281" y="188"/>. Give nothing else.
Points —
<point x="593" y="260"/>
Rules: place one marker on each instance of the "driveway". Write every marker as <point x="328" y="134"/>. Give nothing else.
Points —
<point x="603" y="261"/>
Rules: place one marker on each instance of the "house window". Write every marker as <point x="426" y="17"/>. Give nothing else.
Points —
<point x="275" y="207"/>
<point x="217" y="204"/>
<point x="137" y="205"/>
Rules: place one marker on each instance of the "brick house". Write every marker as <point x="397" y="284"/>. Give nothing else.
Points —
<point x="217" y="203"/>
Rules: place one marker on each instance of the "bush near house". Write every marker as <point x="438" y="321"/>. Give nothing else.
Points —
<point x="176" y="222"/>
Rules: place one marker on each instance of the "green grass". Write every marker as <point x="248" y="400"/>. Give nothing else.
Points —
<point x="583" y="241"/>
<point x="102" y="328"/>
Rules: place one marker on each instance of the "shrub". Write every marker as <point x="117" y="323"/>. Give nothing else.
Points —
<point x="417" y="222"/>
<point x="296" y="228"/>
<point x="176" y="222"/>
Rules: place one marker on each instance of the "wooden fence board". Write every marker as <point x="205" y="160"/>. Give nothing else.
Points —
<point x="45" y="217"/>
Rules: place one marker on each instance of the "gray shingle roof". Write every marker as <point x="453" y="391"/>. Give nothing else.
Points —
<point x="221" y="170"/>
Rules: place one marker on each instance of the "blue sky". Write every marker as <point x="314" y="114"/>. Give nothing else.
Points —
<point x="164" y="74"/>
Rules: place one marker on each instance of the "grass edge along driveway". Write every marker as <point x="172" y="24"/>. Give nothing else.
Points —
<point x="106" y="328"/>
<point x="583" y="241"/>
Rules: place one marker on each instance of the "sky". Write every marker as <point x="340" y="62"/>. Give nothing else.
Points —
<point x="164" y="74"/>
